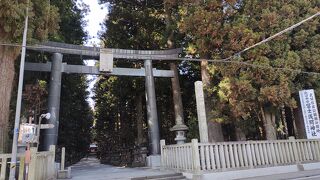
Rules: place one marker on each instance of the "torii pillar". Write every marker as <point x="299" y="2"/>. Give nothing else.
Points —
<point x="153" y="160"/>
<point x="152" y="115"/>
<point x="50" y="136"/>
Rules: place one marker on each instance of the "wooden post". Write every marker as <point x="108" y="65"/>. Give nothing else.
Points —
<point x="295" y="149"/>
<point x="21" y="168"/>
<point x="195" y="155"/>
<point x="3" y="168"/>
<point x="63" y="153"/>
<point x="202" y="158"/>
<point x="51" y="162"/>
<point x="32" y="166"/>
<point x="163" y="155"/>
<point x="249" y="154"/>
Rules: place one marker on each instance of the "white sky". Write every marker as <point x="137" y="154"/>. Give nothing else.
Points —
<point x="94" y="18"/>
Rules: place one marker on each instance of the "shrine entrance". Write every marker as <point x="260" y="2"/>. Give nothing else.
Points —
<point x="105" y="57"/>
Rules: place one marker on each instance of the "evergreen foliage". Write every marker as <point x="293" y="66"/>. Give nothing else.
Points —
<point x="131" y="25"/>
<point x="246" y="102"/>
<point x="251" y="102"/>
<point x="75" y="113"/>
<point x="250" y="97"/>
<point x="43" y="20"/>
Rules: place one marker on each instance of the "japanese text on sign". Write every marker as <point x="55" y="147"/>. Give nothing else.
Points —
<point x="27" y="133"/>
<point x="310" y="113"/>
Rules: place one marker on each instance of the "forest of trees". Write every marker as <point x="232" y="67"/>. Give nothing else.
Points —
<point x="257" y="100"/>
<point x="64" y="23"/>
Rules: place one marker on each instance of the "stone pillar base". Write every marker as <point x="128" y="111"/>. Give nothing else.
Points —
<point x="154" y="161"/>
<point x="139" y="157"/>
<point x="64" y="174"/>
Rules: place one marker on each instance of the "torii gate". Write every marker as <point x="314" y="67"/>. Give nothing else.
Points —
<point x="56" y="67"/>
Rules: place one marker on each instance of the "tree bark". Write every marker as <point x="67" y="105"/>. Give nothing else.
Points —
<point x="240" y="135"/>
<point x="176" y="93"/>
<point x="140" y="137"/>
<point x="214" y="128"/>
<point x="290" y="121"/>
<point x="179" y="127"/>
<point x="7" y="72"/>
<point x="299" y="123"/>
<point x="268" y="118"/>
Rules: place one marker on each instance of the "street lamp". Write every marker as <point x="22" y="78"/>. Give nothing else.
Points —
<point x="19" y="97"/>
<point x="46" y="116"/>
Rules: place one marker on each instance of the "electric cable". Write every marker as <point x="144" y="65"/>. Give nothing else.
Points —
<point x="224" y="60"/>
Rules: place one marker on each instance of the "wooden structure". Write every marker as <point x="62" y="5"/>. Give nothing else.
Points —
<point x="41" y="167"/>
<point x="200" y="157"/>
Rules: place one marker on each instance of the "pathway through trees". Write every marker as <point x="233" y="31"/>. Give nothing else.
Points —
<point x="90" y="168"/>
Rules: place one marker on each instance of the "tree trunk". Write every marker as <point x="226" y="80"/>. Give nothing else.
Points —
<point x="7" y="58"/>
<point x="290" y="121"/>
<point x="284" y="122"/>
<point x="299" y="123"/>
<point x="268" y="118"/>
<point x="179" y="127"/>
<point x="177" y="100"/>
<point x="240" y="135"/>
<point x="214" y="128"/>
<point x="140" y="137"/>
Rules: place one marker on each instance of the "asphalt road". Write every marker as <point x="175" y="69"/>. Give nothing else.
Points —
<point x="301" y="175"/>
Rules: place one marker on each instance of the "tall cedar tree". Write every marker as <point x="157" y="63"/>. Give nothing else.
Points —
<point x="254" y="98"/>
<point x="43" y="20"/>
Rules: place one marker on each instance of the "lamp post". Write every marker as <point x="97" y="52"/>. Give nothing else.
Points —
<point x="19" y="97"/>
<point x="47" y="116"/>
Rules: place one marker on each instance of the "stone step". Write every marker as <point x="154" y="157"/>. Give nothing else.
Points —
<point x="171" y="178"/>
<point x="162" y="177"/>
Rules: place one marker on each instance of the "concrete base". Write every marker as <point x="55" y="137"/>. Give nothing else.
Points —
<point x="311" y="166"/>
<point x="250" y="173"/>
<point x="21" y="148"/>
<point x="64" y="174"/>
<point x="154" y="161"/>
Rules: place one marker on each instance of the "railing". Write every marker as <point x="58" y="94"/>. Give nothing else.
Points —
<point x="4" y="164"/>
<point x="179" y="157"/>
<point x="41" y="167"/>
<point x="224" y="156"/>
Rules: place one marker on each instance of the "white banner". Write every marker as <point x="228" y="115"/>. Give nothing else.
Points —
<point x="310" y="113"/>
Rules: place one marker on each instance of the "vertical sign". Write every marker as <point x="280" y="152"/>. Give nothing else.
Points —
<point x="310" y="113"/>
<point x="106" y="60"/>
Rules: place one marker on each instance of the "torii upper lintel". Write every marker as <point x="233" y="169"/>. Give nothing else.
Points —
<point x="94" y="52"/>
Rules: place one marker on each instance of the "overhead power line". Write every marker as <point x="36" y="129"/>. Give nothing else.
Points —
<point x="250" y="65"/>
<point x="224" y="60"/>
<point x="279" y="33"/>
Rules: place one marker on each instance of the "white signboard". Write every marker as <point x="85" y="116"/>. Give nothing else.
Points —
<point x="106" y="60"/>
<point x="46" y="126"/>
<point x="310" y="113"/>
<point x="27" y="133"/>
